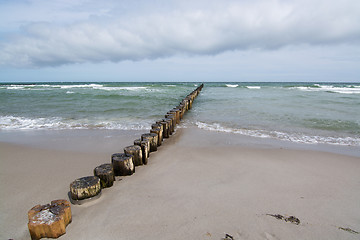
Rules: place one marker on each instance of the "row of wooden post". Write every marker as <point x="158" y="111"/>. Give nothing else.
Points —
<point x="123" y="164"/>
<point x="50" y="220"/>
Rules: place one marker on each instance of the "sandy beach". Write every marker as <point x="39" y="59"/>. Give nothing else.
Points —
<point x="198" y="185"/>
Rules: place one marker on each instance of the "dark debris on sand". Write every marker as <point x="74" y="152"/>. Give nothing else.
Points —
<point x="228" y="237"/>
<point x="291" y="219"/>
<point x="349" y="230"/>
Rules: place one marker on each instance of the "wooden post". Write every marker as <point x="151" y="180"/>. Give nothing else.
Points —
<point x="135" y="150"/>
<point x="137" y="142"/>
<point x="175" y="116"/>
<point x="106" y="174"/>
<point x="157" y="131"/>
<point x="160" y="136"/>
<point x="189" y="99"/>
<point x="123" y="164"/>
<point x="171" y="116"/>
<point x="168" y="126"/>
<point x="176" y="112"/>
<point x="153" y="139"/>
<point x="159" y="125"/>
<point x="181" y="110"/>
<point x="147" y="143"/>
<point x="186" y="104"/>
<point x="50" y="220"/>
<point x="85" y="187"/>
<point x="145" y="149"/>
<point x="165" y="126"/>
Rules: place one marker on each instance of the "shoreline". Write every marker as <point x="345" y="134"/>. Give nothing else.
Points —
<point x="106" y="140"/>
<point x="198" y="185"/>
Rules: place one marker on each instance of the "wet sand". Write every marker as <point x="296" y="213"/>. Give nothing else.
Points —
<point x="198" y="185"/>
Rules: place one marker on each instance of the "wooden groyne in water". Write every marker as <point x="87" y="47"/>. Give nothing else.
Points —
<point x="51" y="223"/>
<point x="123" y="164"/>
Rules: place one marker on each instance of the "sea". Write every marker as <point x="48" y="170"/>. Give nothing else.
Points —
<point x="310" y="113"/>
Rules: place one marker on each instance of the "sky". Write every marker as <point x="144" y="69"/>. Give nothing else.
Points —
<point x="164" y="40"/>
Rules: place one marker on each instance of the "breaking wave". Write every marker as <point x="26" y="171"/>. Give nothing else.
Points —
<point x="232" y="85"/>
<point x="292" y="137"/>
<point x="72" y="86"/>
<point x="349" y="89"/>
<point x="253" y="87"/>
<point x="22" y="123"/>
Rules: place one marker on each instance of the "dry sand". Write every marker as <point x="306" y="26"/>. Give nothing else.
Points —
<point x="198" y="185"/>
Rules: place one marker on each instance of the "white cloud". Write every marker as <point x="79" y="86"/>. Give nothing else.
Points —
<point x="117" y="33"/>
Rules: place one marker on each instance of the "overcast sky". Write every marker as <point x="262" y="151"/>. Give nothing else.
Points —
<point x="155" y="40"/>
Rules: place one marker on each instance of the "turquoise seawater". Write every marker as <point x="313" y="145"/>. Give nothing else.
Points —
<point x="299" y="112"/>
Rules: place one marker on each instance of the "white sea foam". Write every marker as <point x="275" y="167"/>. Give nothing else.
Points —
<point x="78" y="86"/>
<point x="253" y="87"/>
<point x="15" y="87"/>
<point x="22" y="123"/>
<point x="18" y="86"/>
<point x="122" y="88"/>
<point x="292" y="137"/>
<point x="232" y="85"/>
<point x="330" y="88"/>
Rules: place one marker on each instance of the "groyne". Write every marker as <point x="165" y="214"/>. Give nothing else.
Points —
<point x="138" y="154"/>
<point x="88" y="188"/>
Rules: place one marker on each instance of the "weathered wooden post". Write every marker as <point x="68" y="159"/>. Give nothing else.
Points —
<point x="145" y="149"/>
<point x="160" y="133"/>
<point x="159" y="125"/>
<point x="181" y="110"/>
<point x="177" y="114"/>
<point x="145" y="146"/>
<point x="153" y="139"/>
<point x="50" y="220"/>
<point x="190" y="101"/>
<point x="123" y="164"/>
<point x="168" y="126"/>
<point x="184" y="103"/>
<point x="177" y="111"/>
<point x="172" y="117"/>
<point x="175" y="117"/>
<point x="106" y="174"/>
<point x="165" y="126"/>
<point x="85" y="187"/>
<point x="136" y="152"/>
<point x="187" y="100"/>
<point x="157" y="132"/>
